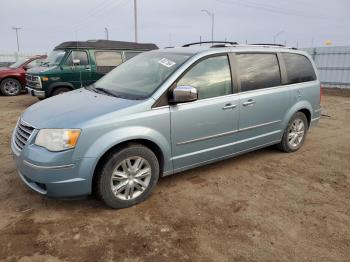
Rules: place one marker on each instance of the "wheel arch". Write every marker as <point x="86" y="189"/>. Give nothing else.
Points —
<point x="56" y="85"/>
<point x="304" y="107"/>
<point x="154" y="147"/>
<point x="13" y="77"/>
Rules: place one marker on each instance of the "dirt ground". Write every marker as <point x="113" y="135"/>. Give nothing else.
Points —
<point x="262" y="206"/>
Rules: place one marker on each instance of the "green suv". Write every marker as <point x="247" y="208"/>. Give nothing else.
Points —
<point x="72" y="65"/>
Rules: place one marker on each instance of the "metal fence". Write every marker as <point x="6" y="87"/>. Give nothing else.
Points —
<point x="333" y="64"/>
<point x="11" y="57"/>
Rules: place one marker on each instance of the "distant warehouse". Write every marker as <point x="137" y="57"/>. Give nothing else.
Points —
<point x="333" y="64"/>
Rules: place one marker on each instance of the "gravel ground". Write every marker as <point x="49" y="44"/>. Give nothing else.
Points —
<point x="262" y="206"/>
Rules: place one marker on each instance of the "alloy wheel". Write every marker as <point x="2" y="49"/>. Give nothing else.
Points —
<point x="296" y="133"/>
<point x="131" y="178"/>
<point x="11" y="87"/>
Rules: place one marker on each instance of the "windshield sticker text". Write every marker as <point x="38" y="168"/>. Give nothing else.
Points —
<point x="166" y="62"/>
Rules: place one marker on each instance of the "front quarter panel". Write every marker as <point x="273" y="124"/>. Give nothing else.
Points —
<point x="152" y="125"/>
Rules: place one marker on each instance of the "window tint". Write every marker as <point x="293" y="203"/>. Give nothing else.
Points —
<point x="129" y="55"/>
<point x="258" y="71"/>
<point x="108" y="58"/>
<point x="299" y="68"/>
<point x="211" y="77"/>
<point x="81" y="55"/>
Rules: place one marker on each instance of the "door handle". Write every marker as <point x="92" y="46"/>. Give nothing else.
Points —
<point x="87" y="69"/>
<point x="229" y="106"/>
<point x="249" y="102"/>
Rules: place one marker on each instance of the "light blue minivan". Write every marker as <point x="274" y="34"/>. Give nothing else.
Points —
<point x="163" y="112"/>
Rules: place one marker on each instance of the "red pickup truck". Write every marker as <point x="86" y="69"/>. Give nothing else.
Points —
<point x="12" y="78"/>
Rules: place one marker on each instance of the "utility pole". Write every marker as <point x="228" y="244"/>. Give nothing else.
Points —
<point x="212" y="23"/>
<point x="16" y="29"/>
<point x="276" y="35"/>
<point x="135" y="19"/>
<point x="106" y="31"/>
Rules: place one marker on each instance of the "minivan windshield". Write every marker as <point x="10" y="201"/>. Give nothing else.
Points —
<point x="19" y="63"/>
<point x="54" y="58"/>
<point x="140" y="76"/>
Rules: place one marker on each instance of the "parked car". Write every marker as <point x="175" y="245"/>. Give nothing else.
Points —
<point x="12" y="78"/>
<point x="164" y="112"/>
<point x="72" y="65"/>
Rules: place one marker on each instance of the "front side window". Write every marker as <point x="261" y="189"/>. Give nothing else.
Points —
<point x="299" y="68"/>
<point x="139" y="77"/>
<point x="257" y="71"/>
<point x="211" y="77"/>
<point x="108" y="58"/>
<point x="129" y="55"/>
<point x="80" y="55"/>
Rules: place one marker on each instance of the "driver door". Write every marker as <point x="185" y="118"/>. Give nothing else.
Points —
<point x="78" y="74"/>
<point x="203" y="130"/>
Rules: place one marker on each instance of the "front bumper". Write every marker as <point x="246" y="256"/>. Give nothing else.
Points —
<point x="37" y="93"/>
<point x="53" y="174"/>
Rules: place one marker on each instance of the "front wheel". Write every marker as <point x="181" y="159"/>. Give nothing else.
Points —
<point x="10" y="87"/>
<point x="128" y="176"/>
<point x="60" y="90"/>
<point x="294" y="134"/>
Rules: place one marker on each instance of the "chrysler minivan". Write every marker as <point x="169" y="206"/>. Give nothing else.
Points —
<point x="163" y="112"/>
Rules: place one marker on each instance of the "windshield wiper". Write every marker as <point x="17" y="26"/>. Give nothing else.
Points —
<point x="91" y="88"/>
<point x="106" y="91"/>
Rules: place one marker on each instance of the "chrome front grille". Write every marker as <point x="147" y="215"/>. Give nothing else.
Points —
<point x="33" y="81"/>
<point x="22" y="134"/>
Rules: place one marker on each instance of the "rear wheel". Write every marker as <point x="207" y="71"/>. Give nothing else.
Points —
<point x="10" y="87"/>
<point x="128" y="176"/>
<point x="60" y="90"/>
<point x="294" y="134"/>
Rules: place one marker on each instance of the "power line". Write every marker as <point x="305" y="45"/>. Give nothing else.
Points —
<point x="272" y="9"/>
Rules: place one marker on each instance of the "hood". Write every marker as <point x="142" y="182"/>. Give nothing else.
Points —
<point x="7" y="70"/>
<point x="40" y="69"/>
<point x="72" y="109"/>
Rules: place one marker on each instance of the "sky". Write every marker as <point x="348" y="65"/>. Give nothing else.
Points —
<point x="299" y="23"/>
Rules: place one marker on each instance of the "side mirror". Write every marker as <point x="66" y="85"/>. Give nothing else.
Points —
<point x="76" y="61"/>
<point x="182" y="94"/>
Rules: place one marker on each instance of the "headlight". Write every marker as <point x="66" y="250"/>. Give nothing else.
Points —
<point x="57" y="139"/>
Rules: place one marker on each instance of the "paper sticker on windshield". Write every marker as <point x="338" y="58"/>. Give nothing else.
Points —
<point x="166" y="62"/>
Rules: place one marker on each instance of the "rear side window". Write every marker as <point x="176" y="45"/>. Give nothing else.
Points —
<point x="129" y="55"/>
<point x="108" y="58"/>
<point x="81" y="55"/>
<point x="211" y="77"/>
<point x="257" y="71"/>
<point x="299" y="68"/>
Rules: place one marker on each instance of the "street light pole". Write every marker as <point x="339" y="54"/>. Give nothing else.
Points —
<point x="16" y="29"/>
<point x="212" y="23"/>
<point x="276" y="35"/>
<point x="135" y="19"/>
<point x="106" y="31"/>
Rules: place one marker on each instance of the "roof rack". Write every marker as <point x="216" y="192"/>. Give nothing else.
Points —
<point x="269" y="44"/>
<point x="211" y="42"/>
<point x="274" y="45"/>
<point x="107" y="44"/>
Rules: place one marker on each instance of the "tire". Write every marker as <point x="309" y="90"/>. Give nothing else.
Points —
<point x="131" y="185"/>
<point x="60" y="90"/>
<point x="295" y="133"/>
<point x="10" y="87"/>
